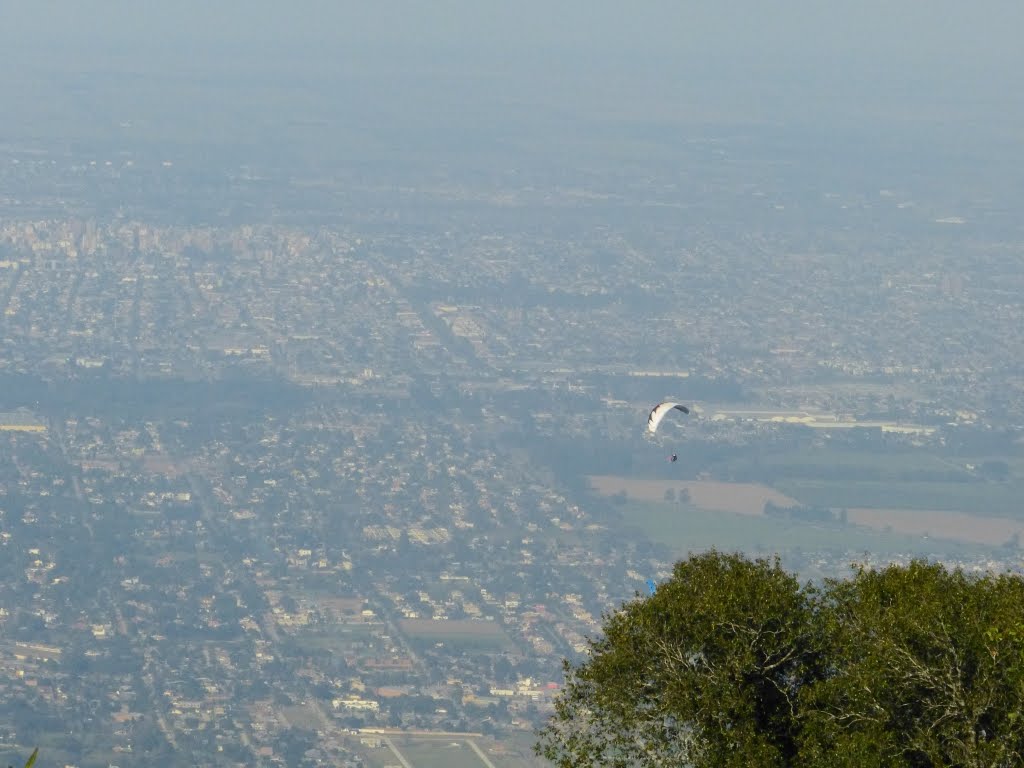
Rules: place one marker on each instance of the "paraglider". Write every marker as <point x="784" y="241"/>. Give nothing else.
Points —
<point x="654" y="418"/>
<point x="651" y="586"/>
<point x="659" y="412"/>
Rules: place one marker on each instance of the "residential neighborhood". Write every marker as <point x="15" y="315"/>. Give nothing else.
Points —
<point x="306" y="465"/>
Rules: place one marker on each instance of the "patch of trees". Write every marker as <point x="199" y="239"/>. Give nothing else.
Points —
<point x="803" y="513"/>
<point x="101" y="392"/>
<point x="734" y="662"/>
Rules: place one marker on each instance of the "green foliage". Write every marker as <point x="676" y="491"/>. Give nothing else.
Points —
<point x="929" y="667"/>
<point x="705" y="671"/>
<point x="733" y="662"/>
<point x="31" y="759"/>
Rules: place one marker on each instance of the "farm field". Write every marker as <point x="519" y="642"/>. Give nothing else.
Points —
<point x="993" y="531"/>
<point x="977" y="499"/>
<point x="740" y="498"/>
<point x="901" y="492"/>
<point x="686" y="529"/>
<point x="844" y="478"/>
<point x="730" y="516"/>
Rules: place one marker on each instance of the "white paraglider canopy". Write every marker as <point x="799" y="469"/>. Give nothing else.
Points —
<point x="659" y="412"/>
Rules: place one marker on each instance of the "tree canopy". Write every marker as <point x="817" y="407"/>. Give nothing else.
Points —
<point x="734" y="662"/>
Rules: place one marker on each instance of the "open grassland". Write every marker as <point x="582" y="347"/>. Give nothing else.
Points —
<point x="463" y="633"/>
<point x="903" y="479"/>
<point x="685" y="529"/>
<point x="977" y="499"/>
<point x="911" y="492"/>
<point x="904" y="517"/>
<point x="739" y="498"/>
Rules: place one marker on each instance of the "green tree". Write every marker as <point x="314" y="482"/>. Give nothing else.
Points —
<point x="927" y="669"/>
<point x="705" y="672"/>
<point x="732" y="662"/>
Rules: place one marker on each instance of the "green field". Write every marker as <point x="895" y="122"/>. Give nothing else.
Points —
<point x="464" y="633"/>
<point x="339" y="638"/>
<point x="302" y="716"/>
<point x="975" y="498"/>
<point x="685" y="529"/>
<point x="439" y="753"/>
<point x="899" y="479"/>
<point x="454" y="752"/>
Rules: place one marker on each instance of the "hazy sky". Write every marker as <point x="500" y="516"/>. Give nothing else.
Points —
<point x="908" y="30"/>
<point x="929" y="60"/>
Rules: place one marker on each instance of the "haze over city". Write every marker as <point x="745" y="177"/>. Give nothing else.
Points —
<point x="329" y="332"/>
